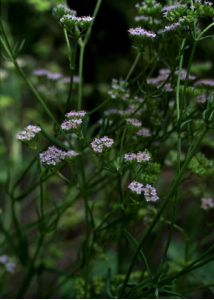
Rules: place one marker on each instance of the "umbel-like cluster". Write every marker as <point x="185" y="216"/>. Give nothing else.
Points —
<point x="53" y="156"/>
<point x="73" y="121"/>
<point x="28" y="134"/>
<point x="158" y="20"/>
<point x="70" y="21"/>
<point x="148" y="191"/>
<point x="137" y="157"/>
<point x="100" y="144"/>
<point x="7" y="263"/>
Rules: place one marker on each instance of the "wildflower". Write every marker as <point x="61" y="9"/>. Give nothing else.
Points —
<point x="100" y="144"/>
<point x="61" y="10"/>
<point x="132" y="109"/>
<point x="134" y="122"/>
<point x="28" y="133"/>
<point x="111" y="112"/>
<point x="68" y="125"/>
<point x="205" y="82"/>
<point x="207" y="203"/>
<point x="172" y="27"/>
<point x="146" y="20"/>
<point x="143" y="156"/>
<point x="138" y="157"/>
<point x="49" y="75"/>
<point x="168" y="88"/>
<point x="74" y="120"/>
<point x="149" y="8"/>
<point x="67" y="79"/>
<point x="119" y="90"/>
<point x="169" y="8"/>
<point x="52" y="156"/>
<point x="76" y="114"/>
<point x="8" y="264"/>
<point x="140" y="33"/>
<point x="70" y="21"/>
<point x="201" y="99"/>
<point x="54" y="76"/>
<point x="150" y="193"/>
<point x="136" y="187"/>
<point x="130" y="157"/>
<point x="145" y="132"/>
<point x="40" y="72"/>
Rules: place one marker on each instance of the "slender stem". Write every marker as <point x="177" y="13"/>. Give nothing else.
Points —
<point x="71" y="57"/>
<point x="81" y="61"/>
<point x="82" y="44"/>
<point x="133" y="66"/>
<point x="178" y="103"/>
<point x="9" y="50"/>
<point x="31" y="270"/>
<point x="204" y="31"/>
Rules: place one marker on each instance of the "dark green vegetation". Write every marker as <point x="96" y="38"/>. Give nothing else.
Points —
<point x="121" y="205"/>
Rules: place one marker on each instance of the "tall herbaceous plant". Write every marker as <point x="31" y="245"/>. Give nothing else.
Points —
<point x="120" y="204"/>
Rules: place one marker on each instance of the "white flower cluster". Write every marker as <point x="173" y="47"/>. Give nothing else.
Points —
<point x="74" y="120"/>
<point x="145" y="132"/>
<point x="61" y="10"/>
<point x="137" y="157"/>
<point x="172" y="27"/>
<point x="205" y="82"/>
<point x="100" y="144"/>
<point x="207" y="203"/>
<point x="201" y="98"/>
<point x="150" y="193"/>
<point x="53" y="156"/>
<point x="134" y="122"/>
<point x="136" y="187"/>
<point x="119" y="90"/>
<point x="70" y="21"/>
<point x="140" y="32"/>
<point x="7" y="263"/>
<point x="28" y="133"/>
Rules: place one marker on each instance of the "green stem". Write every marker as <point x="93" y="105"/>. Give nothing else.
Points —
<point x="204" y="31"/>
<point x="81" y="61"/>
<point x="31" y="270"/>
<point x="82" y="44"/>
<point x="133" y="66"/>
<point x="71" y="57"/>
<point x="8" y="49"/>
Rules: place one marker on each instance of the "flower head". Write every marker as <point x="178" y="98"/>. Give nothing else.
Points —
<point x="70" y="21"/>
<point x="136" y="187"/>
<point x="8" y="264"/>
<point x="47" y="74"/>
<point x="75" y="114"/>
<point x="205" y="82"/>
<point x="145" y="132"/>
<point x="119" y="90"/>
<point x="100" y="144"/>
<point x="74" y="120"/>
<point x="138" y="157"/>
<point x="53" y="156"/>
<point x="61" y="10"/>
<point x="134" y="122"/>
<point x="141" y="33"/>
<point x="207" y="203"/>
<point x="28" y="133"/>
<point x="150" y="193"/>
<point x="68" y="125"/>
